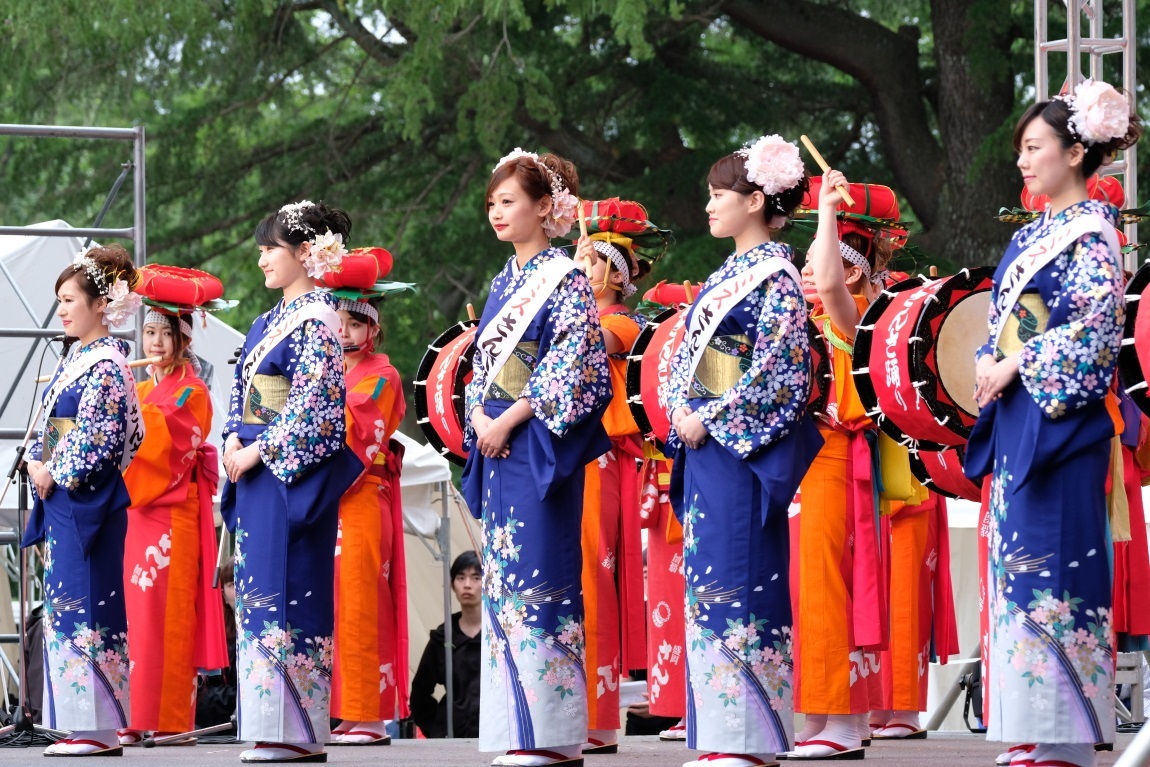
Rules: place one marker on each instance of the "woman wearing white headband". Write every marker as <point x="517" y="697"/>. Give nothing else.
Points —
<point x="369" y="678"/>
<point x="612" y="545"/>
<point x="1044" y="436"/>
<point x="169" y="555"/>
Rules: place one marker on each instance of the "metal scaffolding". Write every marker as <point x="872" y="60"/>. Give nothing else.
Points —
<point x="1095" y="47"/>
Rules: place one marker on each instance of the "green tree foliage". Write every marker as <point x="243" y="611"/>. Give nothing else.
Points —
<point x="397" y="110"/>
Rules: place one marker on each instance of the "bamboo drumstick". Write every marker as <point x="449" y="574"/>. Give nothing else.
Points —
<point x="133" y="364"/>
<point x="933" y="271"/>
<point x="843" y="190"/>
<point x="471" y="311"/>
<point x="582" y="221"/>
<point x="688" y="292"/>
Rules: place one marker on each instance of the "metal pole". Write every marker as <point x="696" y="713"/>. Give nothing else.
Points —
<point x="67" y="131"/>
<point x="141" y="225"/>
<point x="444" y="536"/>
<point x="1073" y="44"/>
<point x="1041" y="78"/>
<point x="1130" y="84"/>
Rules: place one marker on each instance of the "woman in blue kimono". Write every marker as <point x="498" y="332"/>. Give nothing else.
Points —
<point x="741" y="442"/>
<point x="1044" y="435"/>
<point x="540" y="386"/>
<point x="91" y="431"/>
<point x="285" y="459"/>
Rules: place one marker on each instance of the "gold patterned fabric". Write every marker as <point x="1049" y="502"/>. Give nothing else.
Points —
<point x="516" y="372"/>
<point x="55" y="430"/>
<point x="267" y="398"/>
<point x="723" y="363"/>
<point x="1027" y="319"/>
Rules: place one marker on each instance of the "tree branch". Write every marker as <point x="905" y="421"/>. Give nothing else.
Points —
<point x="886" y="63"/>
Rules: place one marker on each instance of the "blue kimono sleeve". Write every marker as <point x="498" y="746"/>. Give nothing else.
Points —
<point x="100" y="432"/>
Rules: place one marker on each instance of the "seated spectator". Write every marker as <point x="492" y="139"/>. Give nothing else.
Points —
<point x="431" y="715"/>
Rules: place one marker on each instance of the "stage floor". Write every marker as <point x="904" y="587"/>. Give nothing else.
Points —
<point x="939" y="750"/>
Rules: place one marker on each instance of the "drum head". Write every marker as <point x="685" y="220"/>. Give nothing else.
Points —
<point x="648" y="367"/>
<point x="440" y="384"/>
<point x="861" y="360"/>
<point x="952" y="328"/>
<point x="1130" y="363"/>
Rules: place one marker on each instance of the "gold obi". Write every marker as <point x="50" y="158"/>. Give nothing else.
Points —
<point x="723" y="363"/>
<point x="515" y="373"/>
<point x="267" y="398"/>
<point x="55" y="430"/>
<point x="1026" y="320"/>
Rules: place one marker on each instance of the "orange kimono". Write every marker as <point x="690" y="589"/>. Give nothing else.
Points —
<point x="612" y="545"/>
<point x="922" y="619"/>
<point x="174" y="615"/>
<point x="837" y="579"/>
<point x="370" y="645"/>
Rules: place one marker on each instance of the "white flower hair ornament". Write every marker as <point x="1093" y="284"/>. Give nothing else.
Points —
<point x="774" y="164"/>
<point x="293" y="216"/>
<point x="327" y="252"/>
<point x="563" y="204"/>
<point x="1098" y="112"/>
<point x="122" y="304"/>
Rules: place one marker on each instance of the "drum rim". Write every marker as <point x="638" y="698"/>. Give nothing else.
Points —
<point x="922" y="373"/>
<point x="419" y="386"/>
<point x="1129" y="366"/>
<point x="822" y="370"/>
<point x="634" y="378"/>
<point x="866" y="391"/>
<point x="922" y="473"/>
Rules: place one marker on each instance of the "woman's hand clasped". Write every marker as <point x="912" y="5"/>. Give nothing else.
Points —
<point x="690" y="429"/>
<point x="491" y="435"/>
<point x="41" y="478"/>
<point x="238" y="460"/>
<point x="991" y="377"/>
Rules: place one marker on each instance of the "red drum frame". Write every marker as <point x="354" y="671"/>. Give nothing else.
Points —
<point x="1134" y="355"/>
<point x="916" y="396"/>
<point x="941" y="472"/>
<point x="440" y="384"/>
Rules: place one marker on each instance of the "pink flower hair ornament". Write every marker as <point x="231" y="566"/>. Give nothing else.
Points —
<point x="773" y="163"/>
<point x="1098" y="112"/>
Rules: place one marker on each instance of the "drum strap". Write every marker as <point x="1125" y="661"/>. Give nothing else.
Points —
<point x="712" y="306"/>
<point x="1041" y="253"/>
<point x="497" y="341"/>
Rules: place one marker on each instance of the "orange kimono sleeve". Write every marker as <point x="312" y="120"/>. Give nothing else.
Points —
<point x="177" y="417"/>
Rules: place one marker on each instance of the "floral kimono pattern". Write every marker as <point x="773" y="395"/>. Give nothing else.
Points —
<point x="1046" y="444"/>
<point x="285" y="513"/>
<point x="533" y="689"/>
<point x="732" y="494"/>
<point x="82" y="525"/>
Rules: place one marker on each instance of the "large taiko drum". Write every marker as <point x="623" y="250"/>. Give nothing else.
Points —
<point x="1134" y="357"/>
<point x="649" y="367"/>
<point x="942" y="473"/>
<point x="440" y="387"/>
<point x="914" y="357"/>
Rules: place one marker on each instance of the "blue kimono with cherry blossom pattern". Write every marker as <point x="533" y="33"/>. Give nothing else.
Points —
<point x="732" y="495"/>
<point x="82" y="525"/>
<point x="533" y="691"/>
<point x="285" y="511"/>
<point x="1046" y="446"/>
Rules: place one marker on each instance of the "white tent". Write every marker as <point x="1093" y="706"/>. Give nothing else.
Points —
<point x="29" y="267"/>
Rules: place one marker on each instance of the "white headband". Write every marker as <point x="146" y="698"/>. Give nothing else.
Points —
<point x="359" y="307"/>
<point x="858" y="259"/>
<point x="616" y="257"/>
<point x="159" y="318"/>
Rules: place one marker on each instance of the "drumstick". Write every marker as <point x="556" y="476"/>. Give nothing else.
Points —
<point x="582" y="221"/>
<point x="843" y="190"/>
<point x="470" y="312"/>
<point x="688" y="292"/>
<point x="933" y="271"/>
<point x="133" y="364"/>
